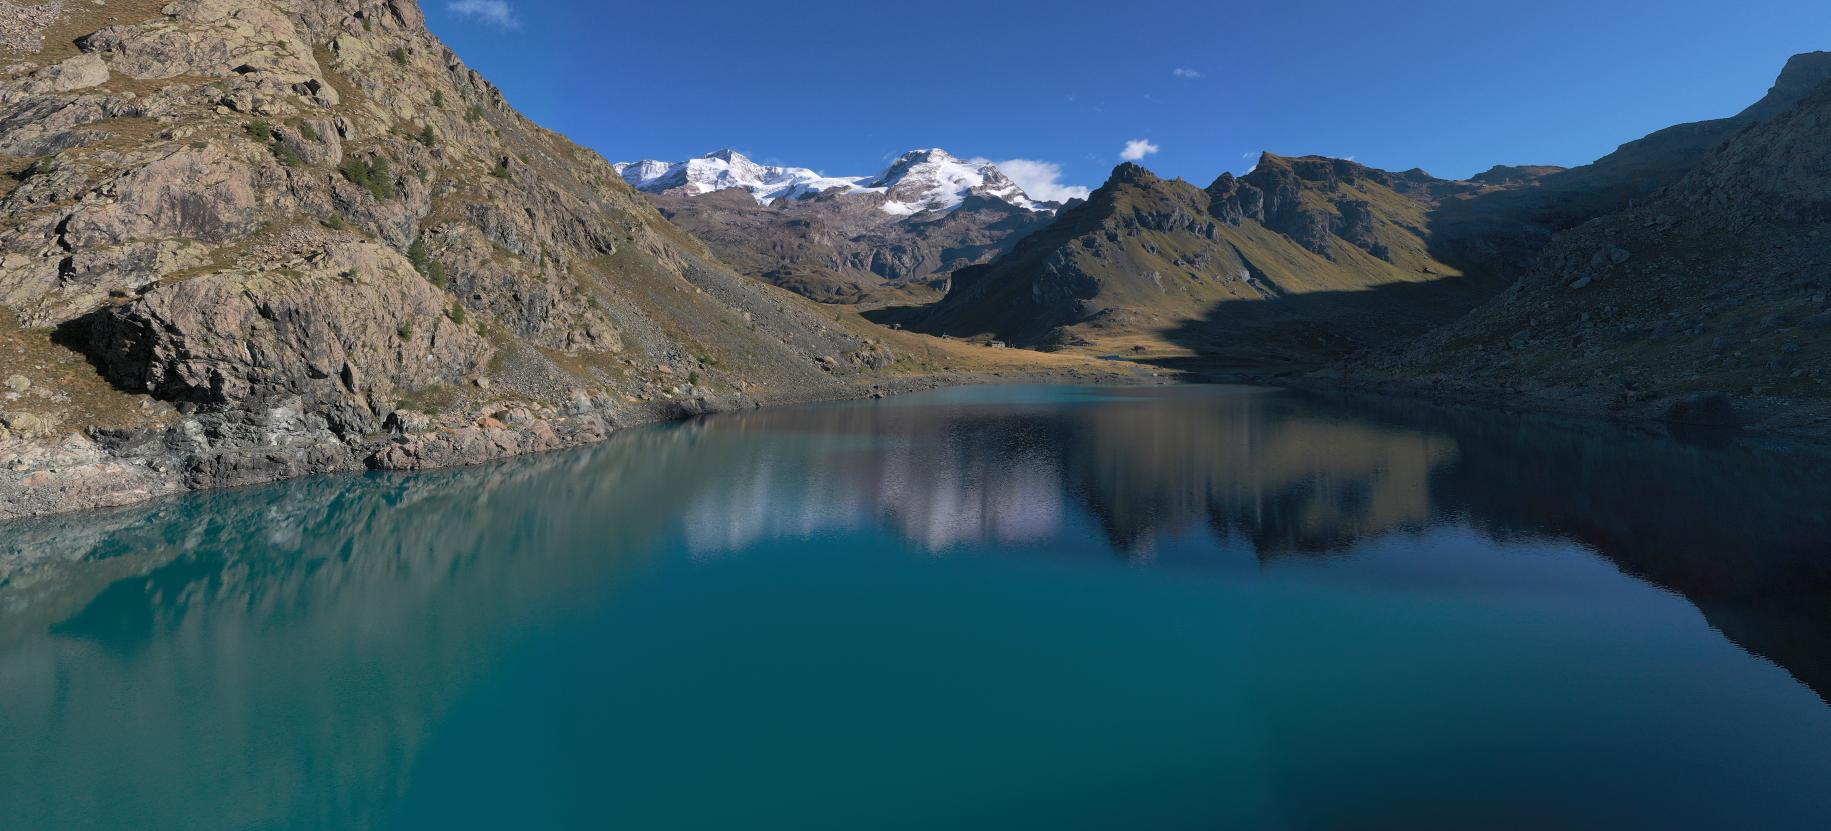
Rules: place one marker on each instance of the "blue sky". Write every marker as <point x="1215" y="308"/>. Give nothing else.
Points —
<point x="841" y="87"/>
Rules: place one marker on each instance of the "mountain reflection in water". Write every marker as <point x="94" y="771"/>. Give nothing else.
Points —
<point x="264" y="648"/>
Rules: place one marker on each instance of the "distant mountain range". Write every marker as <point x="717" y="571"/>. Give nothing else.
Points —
<point x="872" y="240"/>
<point x="917" y="182"/>
<point x="1301" y="257"/>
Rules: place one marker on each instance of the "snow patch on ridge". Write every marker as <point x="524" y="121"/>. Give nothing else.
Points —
<point x="935" y="180"/>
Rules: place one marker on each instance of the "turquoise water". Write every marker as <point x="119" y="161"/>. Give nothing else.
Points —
<point x="997" y="608"/>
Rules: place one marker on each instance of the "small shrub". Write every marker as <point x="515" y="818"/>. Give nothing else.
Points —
<point x="418" y="255"/>
<point x="438" y="98"/>
<point x="399" y="55"/>
<point x="306" y="129"/>
<point x="260" y="130"/>
<point x="372" y="175"/>
<point x="456" y="314"/>
<point x="427" y="137"/>
<point x="351" y="275"/>
<point x="367" y="24"/>
<point x="405" y="331"/>
<point x="693" y="378"/>
<point x="501" y="171"/>
<point x="286" y="155"/>
<point x="474" y="114"/>
<point x="335" y="223"/>
<point x="423" y="262"/>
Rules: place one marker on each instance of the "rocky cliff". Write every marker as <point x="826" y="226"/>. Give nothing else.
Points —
<point x="254" y="239"/>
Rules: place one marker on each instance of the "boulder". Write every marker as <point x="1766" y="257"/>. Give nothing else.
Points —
<point x="346" y="329"/>
<point x="190" y="193"/>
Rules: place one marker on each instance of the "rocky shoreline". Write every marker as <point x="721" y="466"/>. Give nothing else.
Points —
<point x="236" y="449"/>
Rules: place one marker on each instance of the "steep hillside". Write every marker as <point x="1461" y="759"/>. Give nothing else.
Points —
<point x="1566" y="198"/>
<point x="1705" y="302"/>
<point x="864" y="240"/>
<point x="247" y="240"/>
<point x="1301" y="258"/>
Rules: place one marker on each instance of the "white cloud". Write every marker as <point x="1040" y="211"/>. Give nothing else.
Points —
<point x="1137" y="149"/>
<point x="493" y="12"/>
<point x="1183" y="72"/>
<point x="1042" y="180"/>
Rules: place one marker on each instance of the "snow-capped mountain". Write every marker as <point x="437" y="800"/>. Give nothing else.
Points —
<point x="935" y="180"/>
<point x="726" y="169"/>
<point x="920" y="180"/>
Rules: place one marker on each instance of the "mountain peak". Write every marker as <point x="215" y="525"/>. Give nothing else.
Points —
<point x="1133" y="173"/>
<point x="1803" y="73"/>
<point x="927" y="154"/>
<point x="933" y="179"/>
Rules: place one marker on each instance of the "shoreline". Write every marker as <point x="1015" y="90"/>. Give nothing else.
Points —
<point x="52" y="477"/>
<point x="80" y="474"/>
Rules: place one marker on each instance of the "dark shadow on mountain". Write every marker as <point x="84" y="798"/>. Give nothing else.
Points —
<point x="1303" y="331"/>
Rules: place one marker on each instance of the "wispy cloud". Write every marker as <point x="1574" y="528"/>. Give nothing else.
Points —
<point x="1042" y="180"/>
<point x="1185" y="72"/>
<point x="491" y="12"/>
<point x="1137" y="149"/>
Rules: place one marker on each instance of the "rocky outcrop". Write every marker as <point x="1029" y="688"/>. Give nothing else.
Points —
<point x="347" y="328"/>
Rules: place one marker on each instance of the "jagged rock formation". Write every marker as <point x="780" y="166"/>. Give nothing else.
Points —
<point x="1164" y="266"/>
<point x="1706" y="302"/>
<point x="890" y="238"/>
<point x="245" y="240"/>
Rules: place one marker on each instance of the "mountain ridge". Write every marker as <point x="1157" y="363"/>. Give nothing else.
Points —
<point x="1703" y="303"/>
<point x="1147" y="262"/>
<point x="918" y="181"/>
